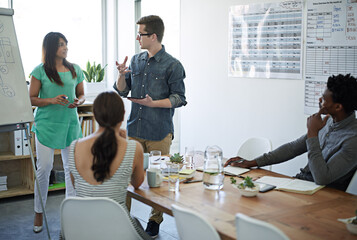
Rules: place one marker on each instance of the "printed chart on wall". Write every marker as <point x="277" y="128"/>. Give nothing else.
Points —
<point x="331" y="46"/>
<point x="265" y="40"/>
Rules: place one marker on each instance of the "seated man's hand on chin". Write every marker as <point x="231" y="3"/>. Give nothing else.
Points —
<point x="240" y="162"/>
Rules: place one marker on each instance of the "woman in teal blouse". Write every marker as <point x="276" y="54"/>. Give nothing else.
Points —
<point x="57" y="90"/>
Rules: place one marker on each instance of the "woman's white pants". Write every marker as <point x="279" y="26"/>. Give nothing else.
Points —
<point x="44" y="164"/>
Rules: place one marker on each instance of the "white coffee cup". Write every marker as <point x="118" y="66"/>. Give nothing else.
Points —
<point x="154" y="177"/>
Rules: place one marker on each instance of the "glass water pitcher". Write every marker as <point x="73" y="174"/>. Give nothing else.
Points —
<point x="213" y="175"/>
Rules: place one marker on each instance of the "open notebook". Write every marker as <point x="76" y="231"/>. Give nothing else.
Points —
<point x="291" y="185"/>
<point x="229" y="170"/>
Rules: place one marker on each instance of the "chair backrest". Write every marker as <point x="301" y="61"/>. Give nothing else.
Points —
<point x="352" y="187"/>
<point x="95" y="218"/>
<point x="254" y="147"/>
<point x="191" y="226"/>
<point x="250" y="229"/>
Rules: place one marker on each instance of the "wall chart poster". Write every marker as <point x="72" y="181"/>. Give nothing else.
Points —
<point x="265" y="40"/>
<point x="331" y="45"/>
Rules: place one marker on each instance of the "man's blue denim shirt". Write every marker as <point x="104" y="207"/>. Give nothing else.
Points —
<point x="160" y="76"/>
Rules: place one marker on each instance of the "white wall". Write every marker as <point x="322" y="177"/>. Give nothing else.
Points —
<point x="223" y="110"/>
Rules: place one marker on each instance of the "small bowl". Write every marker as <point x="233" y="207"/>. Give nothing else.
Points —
<point x="352" y="228"/>
<point x="248" y="192"/>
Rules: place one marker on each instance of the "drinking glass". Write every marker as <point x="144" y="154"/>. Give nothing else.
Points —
<point x="173" y="176"/>
<point x="155" y="159"/>
<point x="189" y="154"/>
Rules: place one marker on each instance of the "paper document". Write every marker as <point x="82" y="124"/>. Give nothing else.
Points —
<point x="229" y="170"/>
<point x="291" y="185"/>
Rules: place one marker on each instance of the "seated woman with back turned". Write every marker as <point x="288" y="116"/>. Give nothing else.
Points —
<point x="102" y="164"/>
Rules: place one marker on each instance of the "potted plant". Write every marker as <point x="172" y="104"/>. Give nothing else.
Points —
<point x="246" y="187"/>
<point x="176" y="159"/>
<point x="94" y="75"/>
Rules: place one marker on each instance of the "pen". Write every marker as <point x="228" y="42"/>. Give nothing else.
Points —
<point x="65" y="97"/>
<point x="236" y="161"/>
<point x="192" y="181"/>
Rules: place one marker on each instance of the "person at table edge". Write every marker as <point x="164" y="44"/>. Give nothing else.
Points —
<point x="330" y="142"/>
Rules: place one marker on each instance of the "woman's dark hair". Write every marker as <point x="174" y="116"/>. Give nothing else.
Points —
<point x="49" y="49"/>
<point x="108" y="109"/>
<point x="344" y="91"/>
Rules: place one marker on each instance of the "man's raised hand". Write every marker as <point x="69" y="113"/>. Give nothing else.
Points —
<point x="122" y="68"/>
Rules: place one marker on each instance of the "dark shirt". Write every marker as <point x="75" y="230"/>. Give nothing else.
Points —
<point x="161" y="77"/>
<point x="332" y="156"/>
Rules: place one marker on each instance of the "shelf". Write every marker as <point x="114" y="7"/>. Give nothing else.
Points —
<point x="15" y="191"/>
<point x="22" y="190"/>
<point x="5" y="156"/>
<point x="19" y="170"/>
<point x="85" y="114"/>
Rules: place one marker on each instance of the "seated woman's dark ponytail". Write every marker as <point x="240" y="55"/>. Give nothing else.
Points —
<point x="108" y="109"/>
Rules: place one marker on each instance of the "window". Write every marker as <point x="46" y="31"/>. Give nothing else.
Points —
<point x="169" y="11"/>
<point x="80" y="21"/>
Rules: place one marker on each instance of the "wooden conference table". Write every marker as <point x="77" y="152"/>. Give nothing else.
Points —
<point x="299" y="216"/>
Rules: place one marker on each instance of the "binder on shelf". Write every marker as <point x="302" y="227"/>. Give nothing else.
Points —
<point x="25" y="141"/>
<point x="3" y="183"/>
<point x="3" y="187"/>
<point x="16" y="142"/>
<point x="84" y="128"/>
<point x="90" y="126"/>
<point x="3" y="180"/>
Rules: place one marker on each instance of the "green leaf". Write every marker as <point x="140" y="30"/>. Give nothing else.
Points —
<point x="91" y="73"/>
<point x="233" y="180"/>
<point x="99" y="67"/>
<point x="96" y="76"/>
<point x="248" y="182"/>
<point x="88" y="66"/>
<point x="86" y="76"/>
<point x="101" y="75"/>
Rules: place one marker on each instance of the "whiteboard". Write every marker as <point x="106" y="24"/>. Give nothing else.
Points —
<point x="331" y="46"/>
<point x="14" y="97"/>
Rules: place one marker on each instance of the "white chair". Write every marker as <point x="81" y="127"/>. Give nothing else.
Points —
<point x="251" y="229"/>
<point x="191" y="226"/>
<point x="352" y="187"/>
<point x="254" y="147"/>
<point x="95" y="218"/>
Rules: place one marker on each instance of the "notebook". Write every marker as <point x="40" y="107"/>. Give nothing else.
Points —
<point x="291" y="185"/>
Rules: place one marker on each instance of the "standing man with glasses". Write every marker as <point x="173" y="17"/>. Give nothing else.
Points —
<point x="155" y="80"/>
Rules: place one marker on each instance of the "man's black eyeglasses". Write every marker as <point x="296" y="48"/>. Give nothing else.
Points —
<point x="145" y="34"/>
